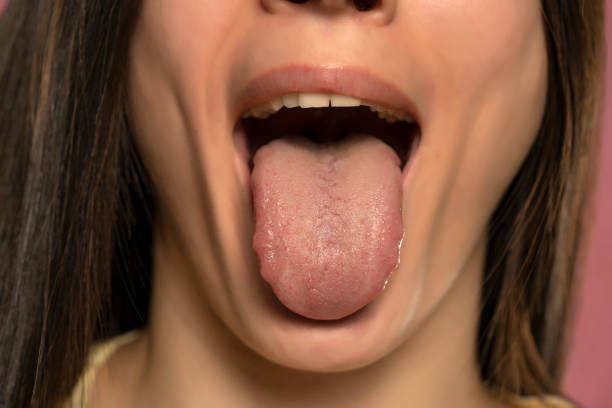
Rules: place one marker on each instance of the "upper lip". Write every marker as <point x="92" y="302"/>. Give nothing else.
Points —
<point x="342" y="80"/>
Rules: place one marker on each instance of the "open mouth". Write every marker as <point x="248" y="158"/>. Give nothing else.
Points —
<point x="326" y="179"/>
<point x="327" y="119"/>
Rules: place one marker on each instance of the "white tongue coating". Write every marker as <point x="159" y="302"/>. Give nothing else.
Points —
<point x="327" y="222"/>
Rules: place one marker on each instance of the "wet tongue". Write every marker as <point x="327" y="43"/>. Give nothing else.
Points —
<point x="327" y="222"/>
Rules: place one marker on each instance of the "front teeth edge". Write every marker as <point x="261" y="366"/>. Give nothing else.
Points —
<point x="310" y="100"/>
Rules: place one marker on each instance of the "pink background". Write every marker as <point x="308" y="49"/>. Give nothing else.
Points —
<point x="589" y="375"/>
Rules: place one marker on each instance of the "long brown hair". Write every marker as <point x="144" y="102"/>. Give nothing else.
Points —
<point x="76" y="208"/>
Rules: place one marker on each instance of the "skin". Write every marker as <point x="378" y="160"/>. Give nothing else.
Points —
<point x="475" y="69"/>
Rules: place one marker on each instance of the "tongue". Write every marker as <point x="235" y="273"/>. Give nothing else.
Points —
<point x="327" y="222"/>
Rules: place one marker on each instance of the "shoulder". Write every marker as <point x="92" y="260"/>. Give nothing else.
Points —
<point x="98" y="355"/>
<point x="546" y="401"/>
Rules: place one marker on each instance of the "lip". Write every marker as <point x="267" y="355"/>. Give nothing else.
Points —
<point x="356" y="82"/>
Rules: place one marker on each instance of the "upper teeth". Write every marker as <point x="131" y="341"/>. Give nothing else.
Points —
<point x="312" y="100"/>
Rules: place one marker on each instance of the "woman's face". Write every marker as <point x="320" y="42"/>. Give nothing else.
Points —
<point x="472" y="74"/>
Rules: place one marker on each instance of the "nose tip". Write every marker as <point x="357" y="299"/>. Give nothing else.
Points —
<point x="380" y="11"/>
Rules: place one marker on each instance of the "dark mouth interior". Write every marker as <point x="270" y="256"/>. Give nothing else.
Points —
<point x="328" y="125"/>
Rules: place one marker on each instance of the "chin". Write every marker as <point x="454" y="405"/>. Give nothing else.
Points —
<point x="291" y="340"/>
<point x="347" y="344"/>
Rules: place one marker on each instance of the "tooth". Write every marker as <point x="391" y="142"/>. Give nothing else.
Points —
<point x="314" y="100"/>
<point x="291" y="100"/>
<point x="261" y="114"/>
<point x="266" y="108"/>
<point x="408" y="118"/>
<point x="404" y="117"/>
<point x="391" y="115"/>
<point x="394" y="116"/>
<point x="276" y="104"/>
<point x="341" y="100"/>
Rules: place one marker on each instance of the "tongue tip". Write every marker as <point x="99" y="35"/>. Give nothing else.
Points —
<point x="326" y="315"/>
<point x="327" y="298"/>
<point x="323" y="311"/>
<point x="329" y="313"/>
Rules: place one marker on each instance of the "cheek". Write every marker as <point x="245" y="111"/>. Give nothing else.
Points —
<point x="186" y="44"/>
<point x="176" y="74"/>
<point x="492" y="72"/>
<point x="466" y="39"/>
<point x="173" y="55"/>
<point x="487" y="61"/>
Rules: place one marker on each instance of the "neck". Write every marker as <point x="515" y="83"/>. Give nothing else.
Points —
<point x="190" y="358"/>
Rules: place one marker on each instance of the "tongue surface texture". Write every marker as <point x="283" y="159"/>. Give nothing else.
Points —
<point x="327" y="222"/>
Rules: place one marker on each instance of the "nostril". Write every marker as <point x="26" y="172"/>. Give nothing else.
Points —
<point x="374" y="12"/>
<point x="365" y="5"/>
<point x="361" y="5"/>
